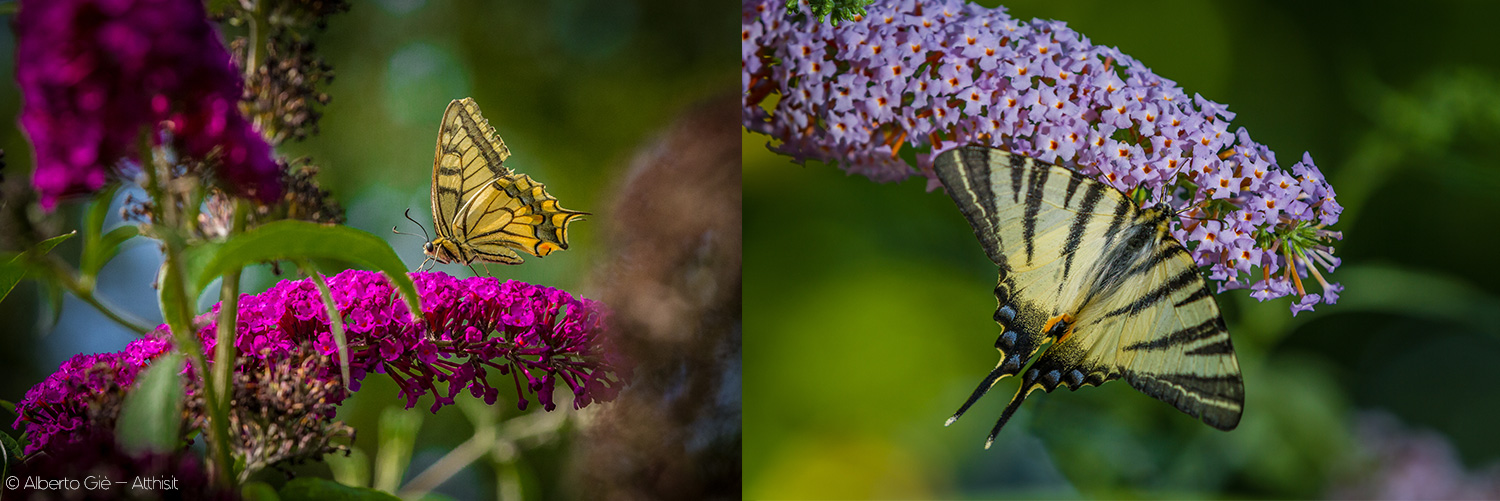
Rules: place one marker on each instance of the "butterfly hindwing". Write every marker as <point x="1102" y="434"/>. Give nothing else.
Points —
<point x="1102" y="280"/>
<point x="515" y="212"/>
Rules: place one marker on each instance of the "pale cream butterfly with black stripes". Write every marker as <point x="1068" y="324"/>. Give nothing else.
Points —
<point x="481" y="210"/>
<point x="1102" y="280"/>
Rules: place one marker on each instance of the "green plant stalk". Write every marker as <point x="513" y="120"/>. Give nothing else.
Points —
<point x="177" y="318"/>
<point x="182" y="335"/>
<point x="229" y="305"/>
<point x="85" y="291"/>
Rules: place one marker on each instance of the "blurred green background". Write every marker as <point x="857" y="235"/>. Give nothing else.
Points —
<point x="574" y="87"/>
<point x="869" y="305"/>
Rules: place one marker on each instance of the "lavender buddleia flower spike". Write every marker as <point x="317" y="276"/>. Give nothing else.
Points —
<point x="924" y="76"/>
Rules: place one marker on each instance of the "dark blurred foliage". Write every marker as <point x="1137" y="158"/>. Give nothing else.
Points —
<point x="574" y="87"/>
<point x="101" y="458"/>
<point x="870" y="304"/>
<point x="674" y="283"/>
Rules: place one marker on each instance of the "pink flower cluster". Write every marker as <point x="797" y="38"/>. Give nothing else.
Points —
<point x="537" y="335"/>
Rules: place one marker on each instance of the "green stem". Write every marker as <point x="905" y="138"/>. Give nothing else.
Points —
<point x="70" y="281"/>
<point x="174" y="290"/>
<point x="229" y="303"/>
<point x="253" y="41"/>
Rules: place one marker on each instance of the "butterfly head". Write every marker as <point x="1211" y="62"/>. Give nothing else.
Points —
<point x="441" y="249"/>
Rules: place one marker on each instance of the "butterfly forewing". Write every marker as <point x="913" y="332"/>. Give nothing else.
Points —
<point x="469" y="156"/>
<point x="1082" y="267"/>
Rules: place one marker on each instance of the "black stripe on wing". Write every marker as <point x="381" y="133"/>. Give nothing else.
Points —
<point x="479" y="137"/>
<point x="1216" y="400"/>
<point x="965" y="172"/>
<point x="1036" y="180"/>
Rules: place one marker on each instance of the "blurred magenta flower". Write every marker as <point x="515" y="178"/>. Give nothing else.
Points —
<point x="181" y="473"/>
<point x="537" y="335"/>
<point x="932" y="75"/>
<point x="93" y="72"/>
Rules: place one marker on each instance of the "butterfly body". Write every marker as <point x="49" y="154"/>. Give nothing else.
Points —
<point x="1100" y="279"/>
<point x="481" y="209"/>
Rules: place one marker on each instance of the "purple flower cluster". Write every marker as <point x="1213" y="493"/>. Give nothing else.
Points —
<point x="93" y="72"/>
<point x="469" y="327"/>
<point x="54" y="410"/>
<point x="937" y="74"/>
<point x="536" y="335"/>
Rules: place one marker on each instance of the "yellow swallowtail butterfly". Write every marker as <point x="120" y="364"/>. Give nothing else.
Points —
<point x="481" y="210"/>
<point x="1104" y="281"/>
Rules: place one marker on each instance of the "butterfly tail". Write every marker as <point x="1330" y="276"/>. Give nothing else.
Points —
<point x="1015" y="403"/>
<point x="984" y="387"/>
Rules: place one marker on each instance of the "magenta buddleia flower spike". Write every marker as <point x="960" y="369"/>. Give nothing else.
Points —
<point x="926" y="76"/>
<point x="539" y="336"/>
<point x="92" y="73"/>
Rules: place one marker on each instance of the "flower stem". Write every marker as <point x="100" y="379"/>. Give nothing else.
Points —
<point x="175" y="308"/>
<point x="224" y="349"/>
<point x="69" y="280"/>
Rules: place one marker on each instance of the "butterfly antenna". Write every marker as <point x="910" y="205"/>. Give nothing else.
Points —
<point x="419" y="226"/>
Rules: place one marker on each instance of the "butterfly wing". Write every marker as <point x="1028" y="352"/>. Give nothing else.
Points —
<point x="1084" y="268"/>
<point x="1163" y="331"/>
<point x="513" y="212"/>
<point x="470" y="155"/>
<point x="1041" y="225"/>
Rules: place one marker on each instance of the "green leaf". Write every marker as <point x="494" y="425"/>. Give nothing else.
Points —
<point x="299" y="239"/>
<point x="313" y="488"/>
<point x="9" y="448"/>
<point x="258" y="491"/>
<point x="8" y="405"/>
<point x="98" y="209"/>
<point x="397" y="436"/>
<point x="151" y="417"/>
<point x="99" y="247"/>
<point x="15" y="267"/>
<point x="54" y="294"/>
<point x="335" y="320"/>
<point x="108" y="246"/>
<point x="352" y="470"/>
<point x="46" y="246"/>
<point x="10" y="452"/>
<point x="12" y="272"/>
<point x="167" y="295"/>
